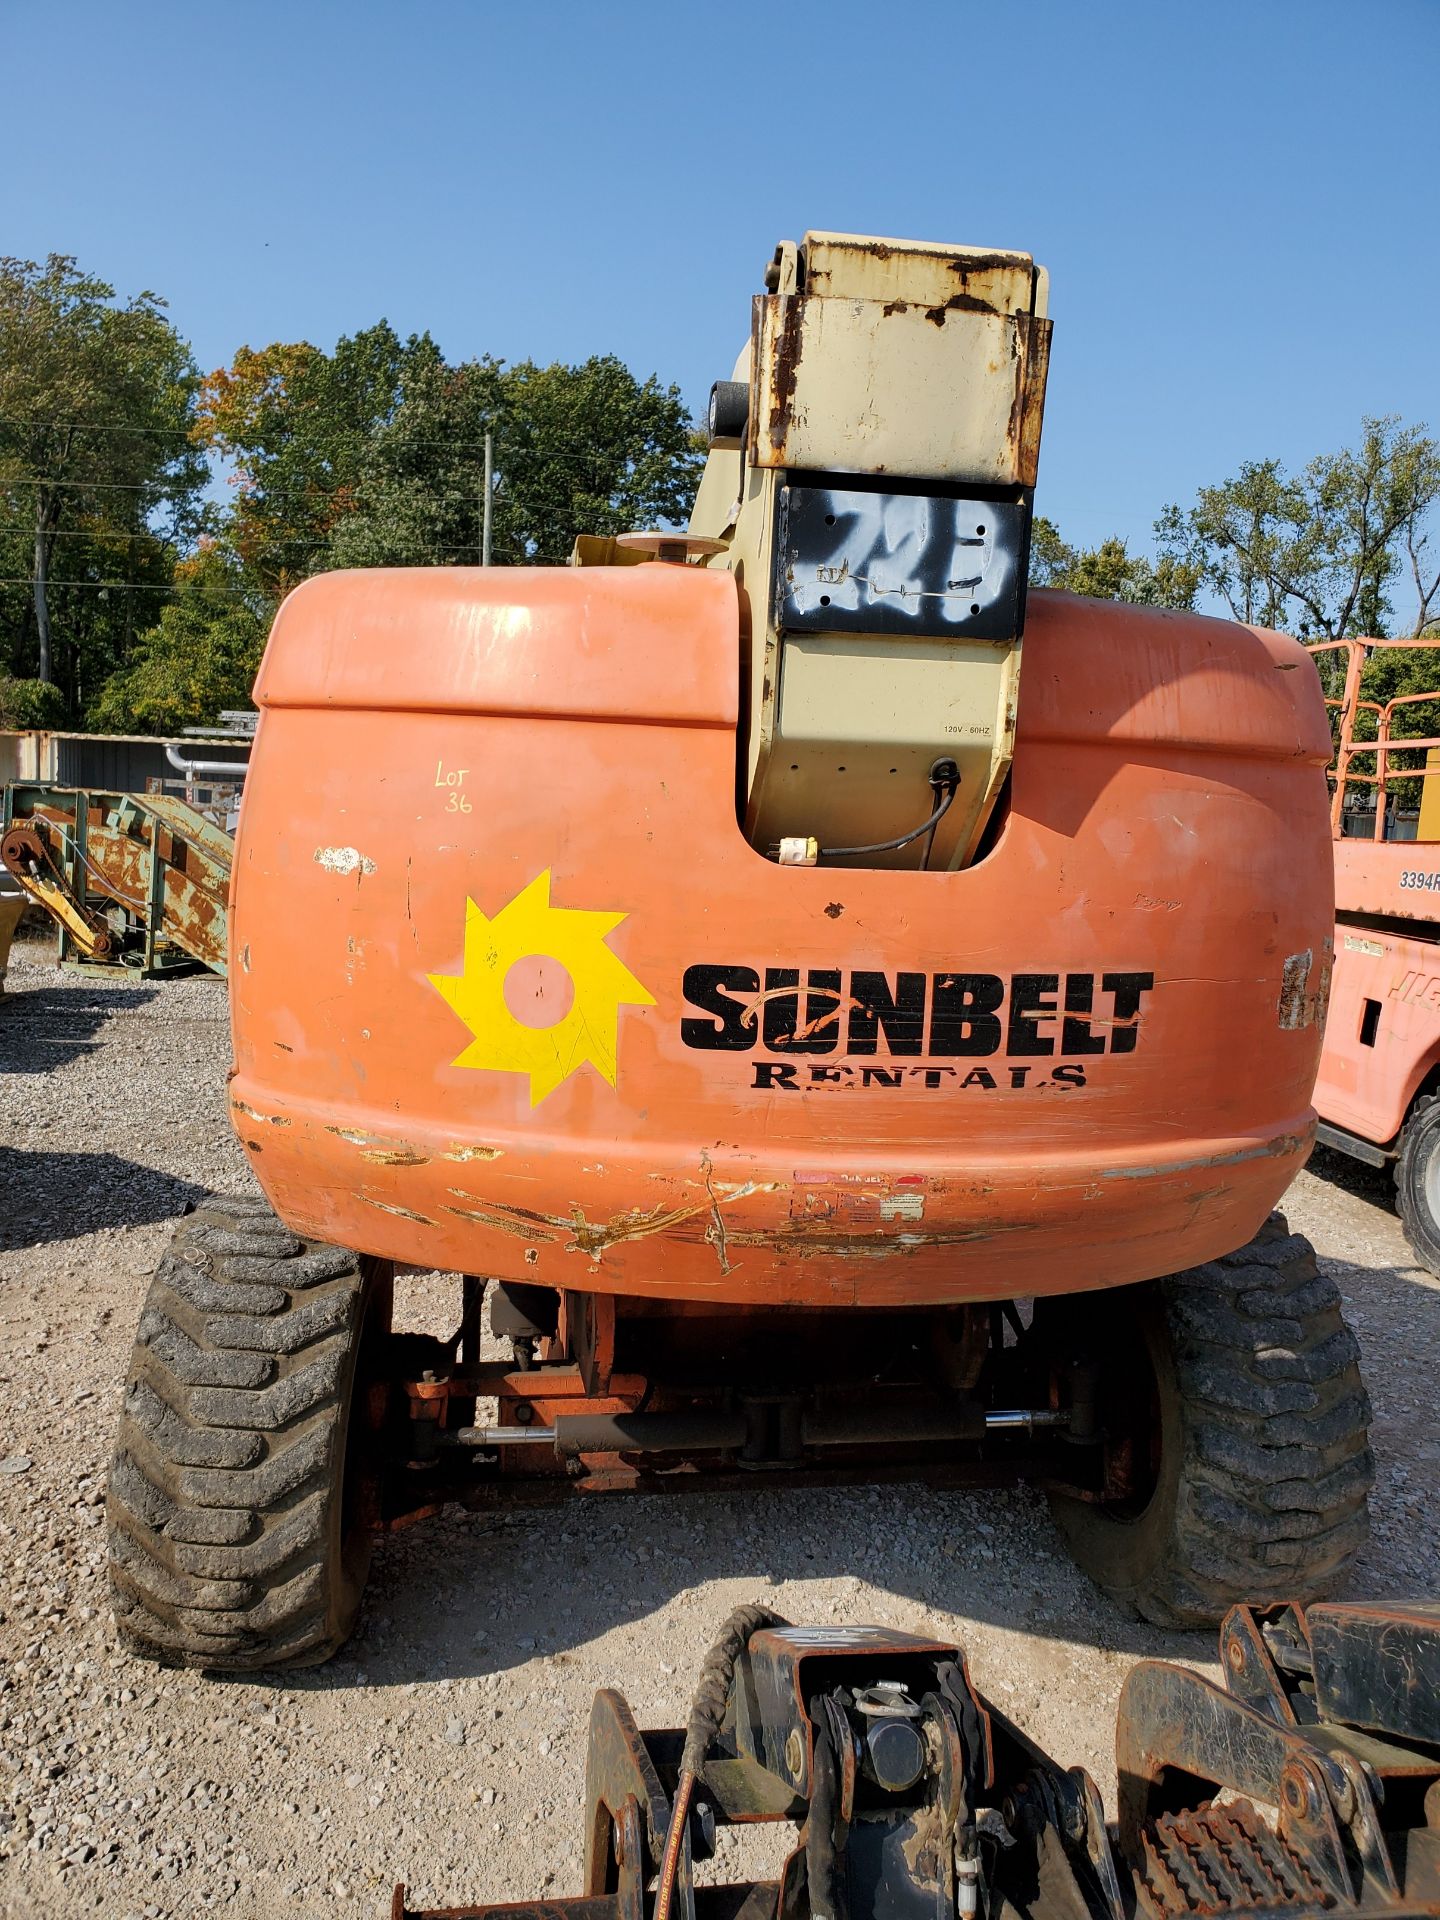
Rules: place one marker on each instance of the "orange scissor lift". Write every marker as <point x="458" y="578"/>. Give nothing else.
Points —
<point x="1378" y="1092"/>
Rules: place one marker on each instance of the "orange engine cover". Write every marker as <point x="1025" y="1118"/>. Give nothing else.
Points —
<point x="512" y="995"/>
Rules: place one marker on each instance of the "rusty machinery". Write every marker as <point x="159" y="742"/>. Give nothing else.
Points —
<point x="790" y="970"/>
<point x="13" y="903"/>
<point x="132" y="881"/>
<point x="1309" y="1784"/>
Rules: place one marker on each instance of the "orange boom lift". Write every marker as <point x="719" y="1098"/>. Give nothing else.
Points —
<point x="852" y="1018"/>
<point x="1378" y="1092"/>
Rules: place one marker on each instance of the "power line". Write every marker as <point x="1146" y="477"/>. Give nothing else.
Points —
<point x="370" y="435"/>
<point x="585" y="454"/>
<point x="298" y="543"/>
<point x="142" y="586"/>
<point x="147" y="586"/>
<point x="260" y="488"/>
<point x="90" y="426"/>
<point x="188" y="433"/>
<point x="145" y="486"/>
<point x="84" y="533"/>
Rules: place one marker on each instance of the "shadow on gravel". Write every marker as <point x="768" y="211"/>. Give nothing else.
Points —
<point x="57" y="1196"/>
<point x="463" y="1596"/>
<point x="1375" y="1184"/>
<point x="468" y="1597"/>
<point x="45" y="1027"/>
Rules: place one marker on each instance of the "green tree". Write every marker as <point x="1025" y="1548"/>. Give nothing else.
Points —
<point x="1316" y="553"/>
<point x="420" y="500"/>
<point x="95" y="415"/>
<point x="1416" y="535"/>
<point x="199" y="660"/>
<point x="30" y="703"/>
<point x="584" y="449"/>
<point x="1109" y="571"/>
<point x="1050" y="555"/>
<point x="373" y="455"/>
<point x="107" y="586"/>
<point x="589" y="449"/>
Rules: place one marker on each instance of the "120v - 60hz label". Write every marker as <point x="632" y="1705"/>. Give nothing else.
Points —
<point x="917" y="1023"/>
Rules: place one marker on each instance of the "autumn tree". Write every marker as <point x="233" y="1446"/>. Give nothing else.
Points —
<point x="373" y="455"/>
<point x="298" y="426"/>
<point x="98" y="478"/>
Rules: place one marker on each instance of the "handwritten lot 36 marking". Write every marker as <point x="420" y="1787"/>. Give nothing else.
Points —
<point x="452" y="780"/>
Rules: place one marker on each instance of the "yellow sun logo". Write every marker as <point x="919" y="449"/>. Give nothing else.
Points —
<point x="530" y="928"/>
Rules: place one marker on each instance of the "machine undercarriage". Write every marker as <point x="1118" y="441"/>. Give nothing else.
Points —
<point x="276" y="1422"/>
<point x="607" y="1394"/>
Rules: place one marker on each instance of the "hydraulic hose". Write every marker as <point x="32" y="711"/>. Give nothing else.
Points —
<point x="707" y="1710"/>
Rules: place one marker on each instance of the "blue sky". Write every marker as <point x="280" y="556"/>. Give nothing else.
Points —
<point x="1237" y="202"/>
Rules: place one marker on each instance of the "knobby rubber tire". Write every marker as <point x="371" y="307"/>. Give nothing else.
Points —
<point x="1264" y="1465"/>
<point x="1419" y="1146"/>
<point x="229" y="1542"/>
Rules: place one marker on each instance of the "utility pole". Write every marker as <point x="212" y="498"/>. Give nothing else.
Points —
<point x="489" y="499"/>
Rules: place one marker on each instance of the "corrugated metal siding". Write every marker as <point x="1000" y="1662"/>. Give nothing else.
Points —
<point x="124" y="766"/>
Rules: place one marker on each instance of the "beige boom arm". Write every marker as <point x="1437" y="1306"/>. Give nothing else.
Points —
<point x="870" y="481"/>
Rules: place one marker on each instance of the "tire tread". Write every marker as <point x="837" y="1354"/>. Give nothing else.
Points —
<point x="1266" y="1495"/>
<point x="230" y="1450"/>
<point x="1270" y="1382"/>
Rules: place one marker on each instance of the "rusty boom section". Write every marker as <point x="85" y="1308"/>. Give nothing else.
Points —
<point x="134" y="881"/>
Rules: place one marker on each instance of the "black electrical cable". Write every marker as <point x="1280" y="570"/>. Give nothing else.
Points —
<point x="944" y="774"/>
<point x="929" y="845"/>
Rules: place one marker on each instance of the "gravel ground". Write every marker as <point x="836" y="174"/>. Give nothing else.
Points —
<point x="445" y="1746"/>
